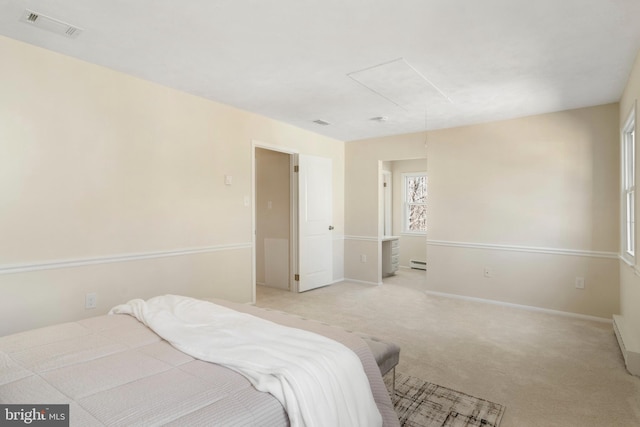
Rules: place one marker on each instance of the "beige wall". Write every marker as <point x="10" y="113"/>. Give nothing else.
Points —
<point x="501" y="195"/>
<point x="107" y="175"/>
<point x="630" y="275"/>
<point x="273" y="207"/>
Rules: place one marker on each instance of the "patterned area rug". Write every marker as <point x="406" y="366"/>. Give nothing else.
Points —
<point x="422" y="404"/>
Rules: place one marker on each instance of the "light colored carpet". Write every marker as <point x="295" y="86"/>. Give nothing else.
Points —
<point x="548" y="370"/>
<point x="420" y="403"/>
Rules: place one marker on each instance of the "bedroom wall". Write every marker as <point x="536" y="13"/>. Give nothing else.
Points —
<point x="630" y="275"/>
<point x="115" y="185"/>
<point x="534" y="199"/>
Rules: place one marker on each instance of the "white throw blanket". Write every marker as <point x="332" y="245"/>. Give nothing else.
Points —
<point x="320" y="382"/>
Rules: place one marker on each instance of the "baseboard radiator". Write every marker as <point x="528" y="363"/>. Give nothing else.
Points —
<point x="630" y="348"/>
<point x="417" y="265"/>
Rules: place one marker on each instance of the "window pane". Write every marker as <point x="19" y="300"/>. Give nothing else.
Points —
<point x="631" y="222"/>
<point x="629" y="164"/>
<point x="417" y="189"/>
<point x="417" y="218"/>
<point x="632" y="157"/>
<point x="629" y="178"/>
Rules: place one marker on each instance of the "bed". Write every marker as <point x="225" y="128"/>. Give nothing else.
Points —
<point x="114" y="370"/>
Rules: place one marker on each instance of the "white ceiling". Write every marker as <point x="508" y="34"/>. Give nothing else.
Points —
<point x="421" y="63"/>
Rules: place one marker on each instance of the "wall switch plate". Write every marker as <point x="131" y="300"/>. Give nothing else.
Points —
<point x="228" y="180"/>
<point x="90" y="300"/>
<point x="363" y="258"/>
<point x="579" y="282"/>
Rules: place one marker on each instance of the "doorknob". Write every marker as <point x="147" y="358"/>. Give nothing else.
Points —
<point x="331" y="227"/>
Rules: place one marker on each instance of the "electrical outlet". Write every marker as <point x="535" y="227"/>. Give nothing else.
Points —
<point x="488" y="272"/>
<point x="90" y="300"/>
<point x="579" y="282"/>
<point x="363" y="258"/>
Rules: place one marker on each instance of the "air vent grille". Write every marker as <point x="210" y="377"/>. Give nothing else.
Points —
<point x="50" y="24"/>
<point x="321" y="122"/>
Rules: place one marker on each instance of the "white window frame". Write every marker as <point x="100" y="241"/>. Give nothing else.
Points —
<point x="406" y="204"/>
<point x="628" y="208"/>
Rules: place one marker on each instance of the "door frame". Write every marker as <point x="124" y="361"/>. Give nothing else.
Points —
<point x="387" y="201"/>
<point x="293" y="223"/>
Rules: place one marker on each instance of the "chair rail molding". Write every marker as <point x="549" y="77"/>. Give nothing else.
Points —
<point x="531" y="249"/>
<point x="79" y="262"/>
<point x="364" y="238"/>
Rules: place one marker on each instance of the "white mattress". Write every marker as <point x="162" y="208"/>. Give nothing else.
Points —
<point x="113" y="370"/>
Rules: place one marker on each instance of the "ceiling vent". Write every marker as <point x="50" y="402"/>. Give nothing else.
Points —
<point x="379" y="119"/>
<point x="50" y="24"/>
<point x="321" y="122"/>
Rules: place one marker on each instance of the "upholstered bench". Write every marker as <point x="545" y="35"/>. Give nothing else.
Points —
<point x="387" y="354"/>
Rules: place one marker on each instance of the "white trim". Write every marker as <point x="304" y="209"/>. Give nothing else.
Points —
<point x="387" y="202"/>
<point x="416" y="234"/>
<point x="635" y="268"/>
<point x="625" y="188"/>
<point x="81" y="262"/>
<point x="628" y="345"/>
<point x="337" y="281"/>
<point x="365" y="238"/>
<point x="533" y="249"/>
<point x="364" y="282"/>
<point x="625" y="261"/>
<point x="522" y="307"/>
<point x="338" y="237"/>
<point x="293" y="223"/>
<point x="273" y="147"/>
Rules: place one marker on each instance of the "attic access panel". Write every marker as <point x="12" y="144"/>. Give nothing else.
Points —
<point x="401" y="84"/>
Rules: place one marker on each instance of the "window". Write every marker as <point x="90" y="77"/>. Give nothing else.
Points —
<point x="415" y="202"/>
<point x="629" y="188"/>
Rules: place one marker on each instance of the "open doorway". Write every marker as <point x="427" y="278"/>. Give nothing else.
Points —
<point x="274" y="219"/>
<point x="405" y="239"/>
<point x="292" y="219"/>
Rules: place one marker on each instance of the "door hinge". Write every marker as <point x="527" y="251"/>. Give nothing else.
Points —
<point x="296" y="277"/>
<point x="384" y="184"/>
<point x="296" y="168"/>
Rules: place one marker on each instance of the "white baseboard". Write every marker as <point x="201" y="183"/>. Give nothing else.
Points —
<point x="630" y="348"/>
<point x="522" y="307"/>
<point x="337" y="281"/>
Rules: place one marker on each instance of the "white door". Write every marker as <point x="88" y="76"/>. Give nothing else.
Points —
<point x="315" y="216"/>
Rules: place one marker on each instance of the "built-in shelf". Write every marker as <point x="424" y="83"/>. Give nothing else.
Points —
<point x="390" y="255"/>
